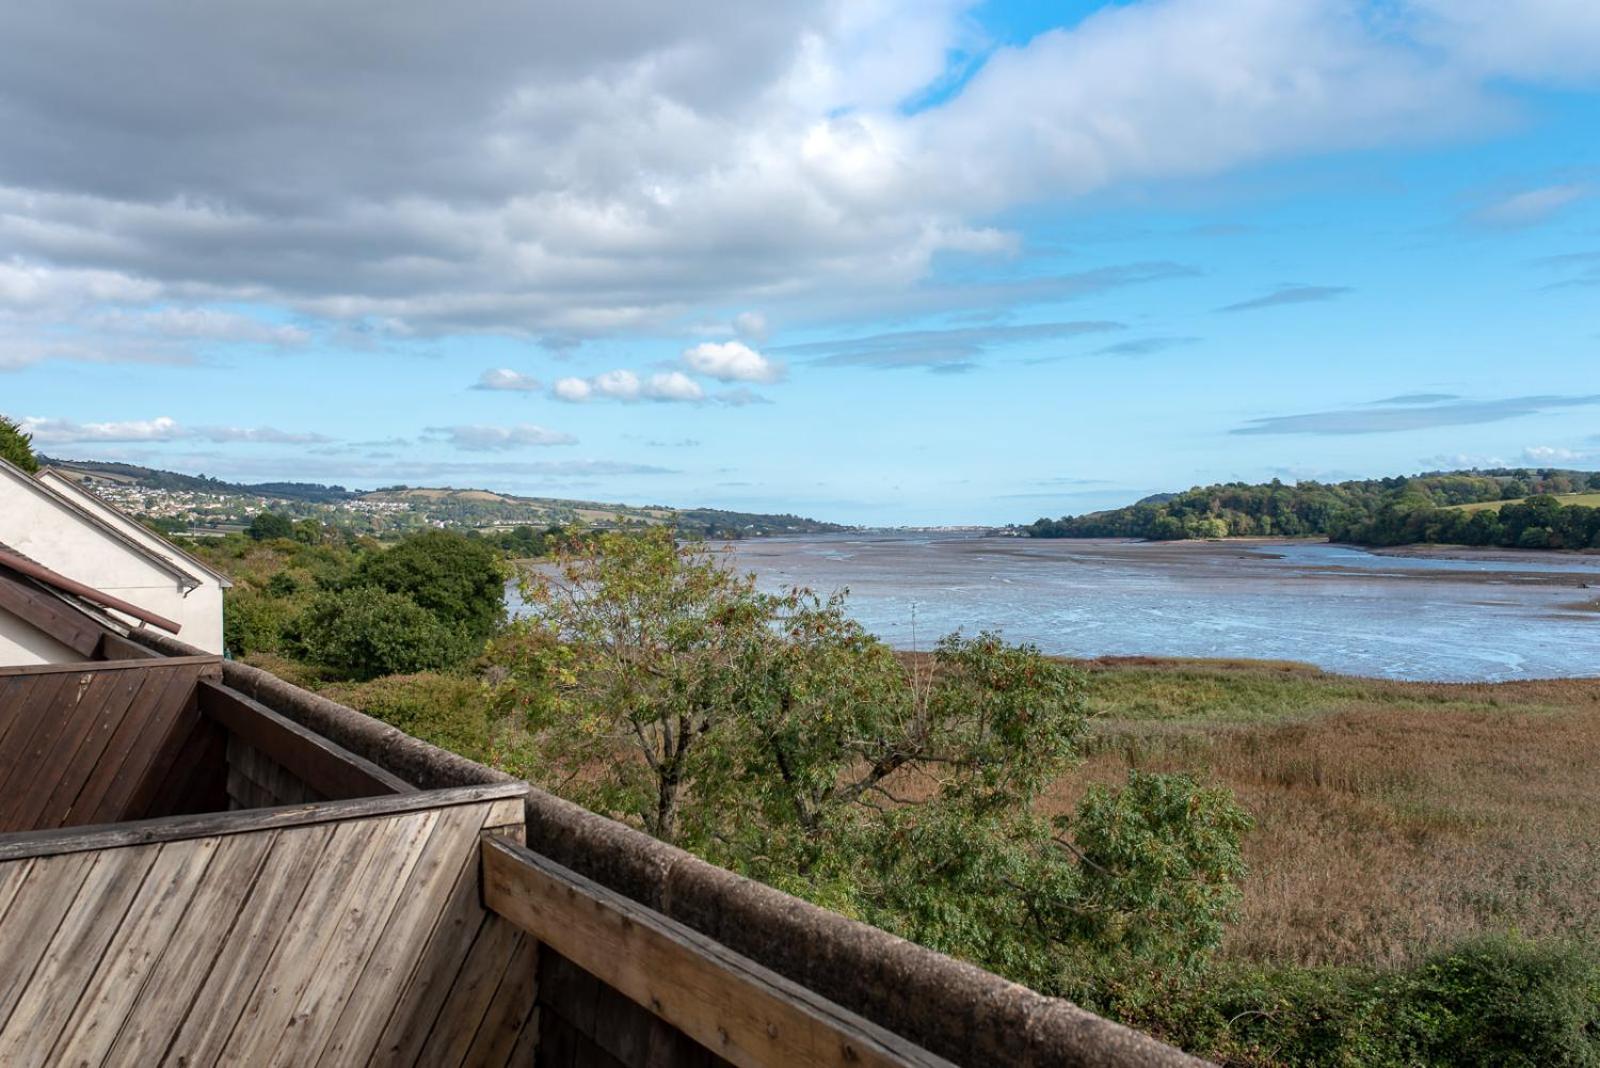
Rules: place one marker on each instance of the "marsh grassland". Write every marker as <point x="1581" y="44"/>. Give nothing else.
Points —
<point x="1391" y="819"/>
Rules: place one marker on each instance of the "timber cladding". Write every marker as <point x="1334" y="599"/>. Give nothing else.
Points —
<point x="104" y="742"/>
<point x="346" y="933"/>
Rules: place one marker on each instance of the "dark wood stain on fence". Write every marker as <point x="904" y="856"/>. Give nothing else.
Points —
<point x="100" y="743"/>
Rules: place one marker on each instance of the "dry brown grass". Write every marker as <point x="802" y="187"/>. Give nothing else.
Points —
<point x="1391" y="818"/>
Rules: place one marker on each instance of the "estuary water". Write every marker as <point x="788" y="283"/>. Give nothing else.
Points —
<point x="1488" y="617"/>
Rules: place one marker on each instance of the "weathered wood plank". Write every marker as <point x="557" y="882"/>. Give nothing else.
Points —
<point x="127" y="771"/>
<point x="14" y="698"/>
<point x="244" y="793"/>
<point x="12" y="876"/>
<point x="140" y="941"/>
<point x="183" y="714"/>
<point x="198" y="782"/>
<point x="449" y="944"/>
<point x="509" y="1009"/>
<point x="740" y="1011"/>
<point x="452" y="846"/>
<point x="22" y="761"/>
<point x="52" y="992"/>
<point x="564" y="1046"/>
<point x="271" y="777"/>
<point x="47" y="892"/>
<point x="102" y="799"/>
<point x="568" y="991"/>
<point x="26" y="720"/>
<point x="116" y="647"/>
<point x="128" y="688"/>
<point x="109" y="665"/>
<point x="331" y="911"/>
<point x="97" y="694"/>
<point x="49" y="614"/>
<point x="164" y="999"/>
<point x="526" y="1053"/>
<point x="296" y="857"/>
<point x="471" y="992"/>
<point x="330" y="770"/>
<point x="372" y="897"/>
<point x="53" y="841"/>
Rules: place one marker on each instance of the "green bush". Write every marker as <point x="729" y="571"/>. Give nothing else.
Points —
<point x="461" y="580"/>
<point x="365" y="632"/>
<point x="1501" y="1001"/>
<point x="450" y="711"/>
<point x="1505" y="1002"/>
<point x="254" y="623"/>
<point x="269" y="525"/>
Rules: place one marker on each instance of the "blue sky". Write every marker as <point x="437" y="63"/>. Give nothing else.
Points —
<point x="878" y="262"/>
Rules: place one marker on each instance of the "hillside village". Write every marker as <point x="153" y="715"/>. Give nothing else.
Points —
<point x="197" y="506"/>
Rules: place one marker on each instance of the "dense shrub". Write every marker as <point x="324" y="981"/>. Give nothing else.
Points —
<point x="255" y="623"/>
<point x="269" y="525"/>
<point x="449" y="711"/>
<point x="460" y="580"/>
<point x="366" y="632"/>
<point x="1491" y="1003"/>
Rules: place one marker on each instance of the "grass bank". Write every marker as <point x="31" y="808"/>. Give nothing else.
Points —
<point x="1391" y="818"/>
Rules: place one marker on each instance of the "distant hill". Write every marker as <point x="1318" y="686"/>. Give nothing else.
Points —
<point x="154" y="478"/>
<point x="1522" y="507"/>
<point x="166" y="495"/>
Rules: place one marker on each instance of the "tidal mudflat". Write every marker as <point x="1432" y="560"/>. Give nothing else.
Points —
<point x="1434" y="616"/>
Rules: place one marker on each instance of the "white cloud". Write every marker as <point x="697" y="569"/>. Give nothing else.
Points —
<point x="620" y="385"/>
<point x="1543" y="40"/>
<point x="556" y="170"/>
<point x="751" y="325"/>
<point x="204" y="324"/>
<point x="739" y="397"/>
<point x="500" y="438"/>
<point x="504" y="379"/>
<point x="65" y="431"/>
<point x="261" y="435"/>
<point x="732" y="361"/>
<point x="1551" y="454"/>
<point x="33" y="285"/>
<point x="1533" y="205"/>
<point x="625" y="385"/>
<point x="161" y="428"/>
<point x="573" y="389"/>
<point x="673" y="386"/>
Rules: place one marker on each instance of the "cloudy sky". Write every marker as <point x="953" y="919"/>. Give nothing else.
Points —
<point x="874" y="261"/>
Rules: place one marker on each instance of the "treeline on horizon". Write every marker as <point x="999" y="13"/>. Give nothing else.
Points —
<point x="1388" y="511"/>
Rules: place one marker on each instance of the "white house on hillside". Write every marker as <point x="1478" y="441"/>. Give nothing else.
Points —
<point x="54" y="523"/>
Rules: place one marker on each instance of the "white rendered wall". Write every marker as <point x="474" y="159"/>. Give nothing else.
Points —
<point x="201" y="609"/>
<point x="38" y="523"/>
<point x="21" y="644"/>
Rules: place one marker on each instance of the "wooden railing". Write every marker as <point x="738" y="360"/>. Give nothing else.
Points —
<point x="740" y="1011"/>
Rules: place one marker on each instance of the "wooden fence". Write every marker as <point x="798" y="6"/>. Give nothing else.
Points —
<point x="107" y="741"/>
<point x="329" y="934"/>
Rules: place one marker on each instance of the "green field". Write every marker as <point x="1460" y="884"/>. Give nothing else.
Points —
<point x="1591" y="500"/>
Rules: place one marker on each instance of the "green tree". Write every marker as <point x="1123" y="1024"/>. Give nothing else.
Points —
<point x="366" y="632"/>
<point x="16" y="445"/>
<point x="460" y="580"/>
<point x="773" y="735"/>
<point x="269" y="525"/>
